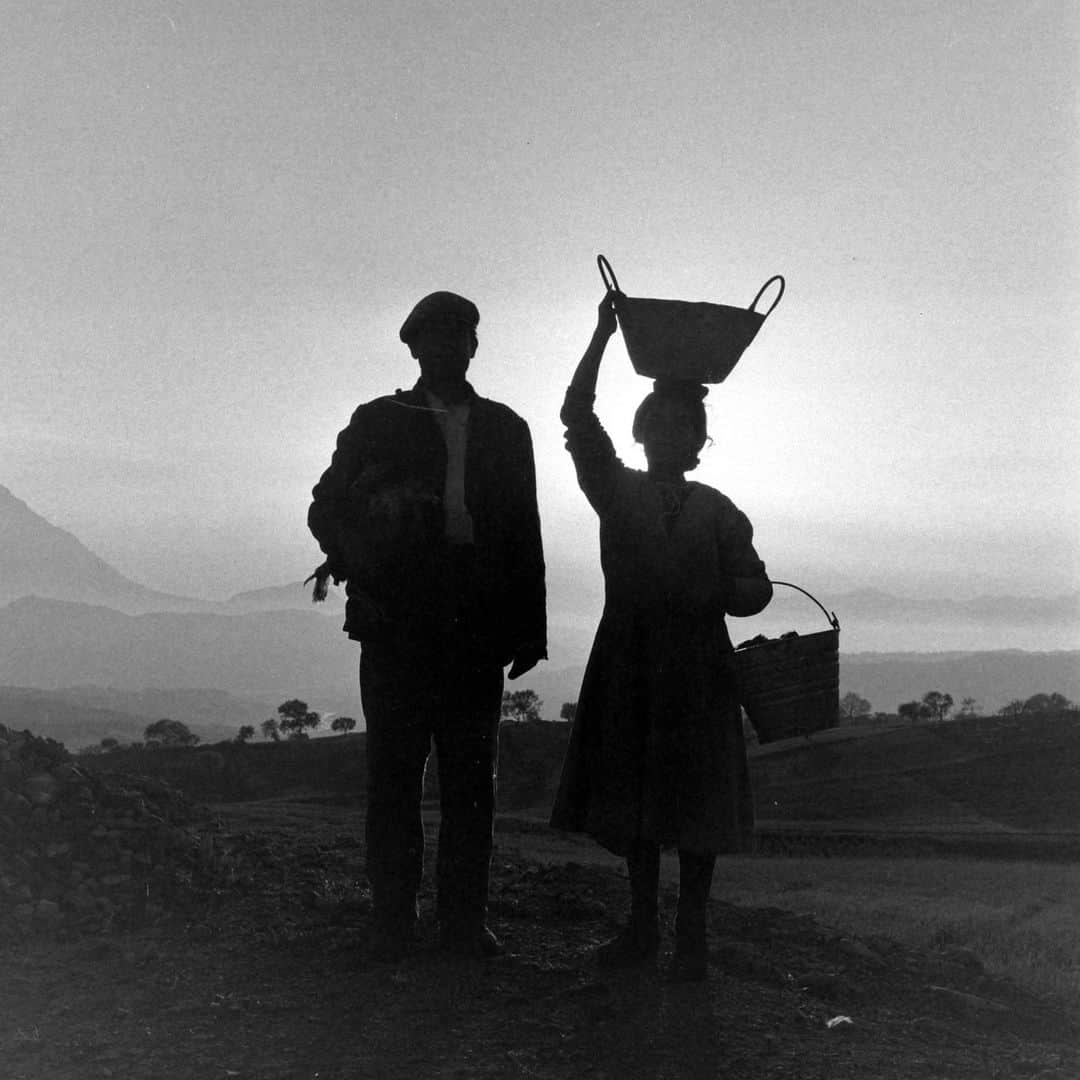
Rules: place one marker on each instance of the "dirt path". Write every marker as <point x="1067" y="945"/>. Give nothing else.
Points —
<point x="261" y="978"/>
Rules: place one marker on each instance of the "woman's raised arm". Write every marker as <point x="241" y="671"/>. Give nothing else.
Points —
<point x="594" y="456"/>
<point x="584" y="380"/>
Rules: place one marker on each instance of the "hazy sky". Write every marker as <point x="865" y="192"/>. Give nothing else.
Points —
<point x="216" y="215"/>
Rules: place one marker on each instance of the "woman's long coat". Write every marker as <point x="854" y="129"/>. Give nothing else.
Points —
<point x="656" y="752"/>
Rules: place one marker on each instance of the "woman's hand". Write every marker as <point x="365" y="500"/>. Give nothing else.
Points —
<point x="605" y="315"/>
<point x="584" y="379"/>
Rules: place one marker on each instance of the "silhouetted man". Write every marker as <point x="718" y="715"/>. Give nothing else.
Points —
<point x="428" y="511"/>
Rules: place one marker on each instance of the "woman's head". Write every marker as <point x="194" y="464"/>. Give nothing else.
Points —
<point x="671" y="425"/>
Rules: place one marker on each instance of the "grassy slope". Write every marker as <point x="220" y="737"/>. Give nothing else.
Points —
<point x="992" y="772"/>
<point x="1021" y="919"/>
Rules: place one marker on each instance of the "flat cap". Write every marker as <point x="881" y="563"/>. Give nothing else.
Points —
<point x="439" y="307"/>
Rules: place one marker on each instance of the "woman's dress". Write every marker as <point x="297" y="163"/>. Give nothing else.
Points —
<point x="656" y="752"/>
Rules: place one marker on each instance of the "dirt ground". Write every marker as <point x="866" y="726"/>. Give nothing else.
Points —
<point x="261" y="977"/>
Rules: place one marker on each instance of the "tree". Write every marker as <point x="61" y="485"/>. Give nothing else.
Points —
<point x="1041" y="704"/>
<point x="344" y="724"/>
<point x="937" y="704"/>
<point x="109" y="743"/>
<point x="519" y="706"/>
<point x="270" y="729"/>
<point x="568" y="711"/>
<point x="913" y="711"/>
<point x="294" y="718"/>
<point x="853" y="706"/>
<point x="967" y="706"/>
<point x="1014" y="708"/>
<point x="246" y="732"/>
<point x="167" y="732"/>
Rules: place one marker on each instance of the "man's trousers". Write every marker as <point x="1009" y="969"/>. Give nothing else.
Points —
<point x="410" y="699"/>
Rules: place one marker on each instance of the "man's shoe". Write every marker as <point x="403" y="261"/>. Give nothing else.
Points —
<point x="479" y="944"/>
<point x="688" y="965"/>
<point x="630" y="948"/>
<point x="389" y="944"/>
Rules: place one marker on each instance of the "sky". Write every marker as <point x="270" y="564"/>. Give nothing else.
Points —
<point x="216" y="216"/>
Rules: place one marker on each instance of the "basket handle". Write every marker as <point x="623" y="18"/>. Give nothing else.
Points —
<point x="607" y="273"/>
<point x="775" y="277"/>
<point x="834" y="622"/>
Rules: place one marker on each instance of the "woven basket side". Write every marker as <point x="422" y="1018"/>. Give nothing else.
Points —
<point x="791" y="686"/>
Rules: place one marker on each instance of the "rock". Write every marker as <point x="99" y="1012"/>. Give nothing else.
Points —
<point x="41" y="789"/>
<point x="970" y="1006"/>
<point x="11" y="773"/>
<point x="48" y="911"/>
<point x="69" y="835"/>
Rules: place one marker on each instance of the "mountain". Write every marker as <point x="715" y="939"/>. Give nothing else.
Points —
<point x="39" y="559"/>
<point x="52" y="716"/>
<point x="293" y="597"/>
<point x="269" y="656"/>
<point x="83" y="716"/>
<point x="275" y="655"/>
<point x="71" y="620"/>
<point x="211" y="714"/>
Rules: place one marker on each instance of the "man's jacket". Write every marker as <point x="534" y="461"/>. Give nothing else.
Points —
<point x="377" y="514"/>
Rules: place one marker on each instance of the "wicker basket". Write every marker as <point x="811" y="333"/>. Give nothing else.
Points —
<point x="791" y="686"/>
<point x="677" y="339"/>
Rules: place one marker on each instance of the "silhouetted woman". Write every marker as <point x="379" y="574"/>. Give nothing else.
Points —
<point x="656" y="756"/>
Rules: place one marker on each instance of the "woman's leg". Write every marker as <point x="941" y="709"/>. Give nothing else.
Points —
<point x="691" y="957"/>
<point x="637" y="943"/>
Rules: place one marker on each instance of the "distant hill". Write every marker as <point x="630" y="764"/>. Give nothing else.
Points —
<point x="54" y="717"/>
<point x="293" y="597"/>
<point x="984" y="773"/>
<point x="270" y="656"/>
<point x="992" y="678"/>
<point x="71" y="619"/>
<point x="887" y="679"/>
<point x="83" y="716"/>
<point x="213" y="714"/>
<point x="39" y="559"/>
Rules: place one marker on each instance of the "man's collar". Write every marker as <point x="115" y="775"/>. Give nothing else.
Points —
<point x="422" y="390"/>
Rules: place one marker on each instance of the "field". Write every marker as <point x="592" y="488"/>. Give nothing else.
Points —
<point x="1020" y="918"/>
<point x="878" y="960"/>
